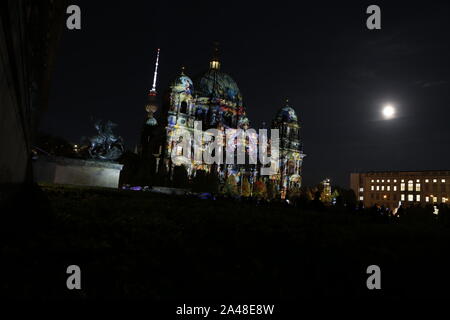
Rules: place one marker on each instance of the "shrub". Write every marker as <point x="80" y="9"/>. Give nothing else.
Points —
<point x="180" y="177"/>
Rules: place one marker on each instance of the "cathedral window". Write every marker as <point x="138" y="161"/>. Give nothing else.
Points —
<point x="227" y="119"/>
<point x="183" y="107"/>
<point x="293" y="134"/>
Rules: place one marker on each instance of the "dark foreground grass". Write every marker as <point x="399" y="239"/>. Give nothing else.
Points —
<point x="144" y="245"/>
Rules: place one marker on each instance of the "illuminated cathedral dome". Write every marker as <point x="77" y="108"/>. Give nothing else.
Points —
<point x="244" y="122"/>
<point x="217" y="84"/>
<point x="286" y="114"/>
<point x="183" y="84"/>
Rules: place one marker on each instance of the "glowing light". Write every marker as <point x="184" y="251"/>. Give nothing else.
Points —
<point x="436" y="210"/>
<point x="388" y="111"/>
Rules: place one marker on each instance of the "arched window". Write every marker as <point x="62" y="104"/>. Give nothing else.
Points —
<point x="227" y="118"/>
<point x="294" y="134"/>
<point x="291" y="167"/>
<point x="410" y="185"/>
<point x="199" y="114"/>
<point x="183" y="107"/>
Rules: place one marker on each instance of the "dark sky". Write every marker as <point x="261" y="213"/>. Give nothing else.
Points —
<point x="336" y="73"/>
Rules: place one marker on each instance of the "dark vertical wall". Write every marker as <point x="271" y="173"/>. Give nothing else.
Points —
<point x="29" y="33"/>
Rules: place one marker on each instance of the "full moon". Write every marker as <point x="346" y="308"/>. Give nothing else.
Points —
<point x="388" y="112"/>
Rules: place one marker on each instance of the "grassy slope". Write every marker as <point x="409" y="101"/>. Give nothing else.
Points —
<point x="138" y="245"/>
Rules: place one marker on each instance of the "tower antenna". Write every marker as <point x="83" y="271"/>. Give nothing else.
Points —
<point x="155" y="76"/>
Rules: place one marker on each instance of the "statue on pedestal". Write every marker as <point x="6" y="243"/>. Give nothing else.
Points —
<point x="105" y="145"/>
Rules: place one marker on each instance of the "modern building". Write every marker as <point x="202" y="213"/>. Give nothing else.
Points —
<point x="390" y="189"/>
<point x="213" y="99"/>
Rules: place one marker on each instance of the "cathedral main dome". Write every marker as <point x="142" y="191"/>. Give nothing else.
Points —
<point x="217" y="84"/>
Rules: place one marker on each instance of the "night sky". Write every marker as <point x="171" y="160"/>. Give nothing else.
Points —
<point x="336" y="73"/>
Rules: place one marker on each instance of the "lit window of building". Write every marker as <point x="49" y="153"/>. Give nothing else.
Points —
<point x="407" y="187"/>
<point x="361" y="198"/>
<point x="410" y="185"/>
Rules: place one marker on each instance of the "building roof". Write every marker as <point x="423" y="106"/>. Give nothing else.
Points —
<point x="217" y="84"/>
<point x="401" y="171"/>
<point x="286" y="114"/>
<point x="183" y="84"/>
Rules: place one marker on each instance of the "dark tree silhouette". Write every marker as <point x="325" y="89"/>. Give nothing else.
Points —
<point x="180" y="177"/>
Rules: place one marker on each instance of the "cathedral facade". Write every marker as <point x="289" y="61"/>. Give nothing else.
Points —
<point x="214" y="101"/>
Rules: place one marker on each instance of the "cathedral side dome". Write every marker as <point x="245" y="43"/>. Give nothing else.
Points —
<point x="244" y="122"/>
<point x="183" y="84"/>
<point x="286" y="114"/>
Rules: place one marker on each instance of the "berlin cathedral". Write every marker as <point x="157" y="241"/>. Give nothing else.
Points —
<point x="214" y="99"/>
